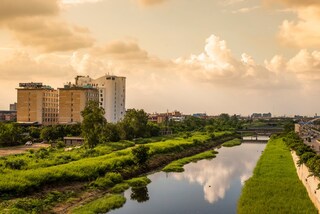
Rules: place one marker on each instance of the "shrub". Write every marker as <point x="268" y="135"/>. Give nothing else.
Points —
<point x="60" y="144"/>
<point x="140" y="154"/>
<point x="15" y="164"/>
<point x="108" y="181"/>
<point x="101" y="205"/>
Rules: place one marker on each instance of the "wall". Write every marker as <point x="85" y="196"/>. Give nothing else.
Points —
<point x="311" y="183"/>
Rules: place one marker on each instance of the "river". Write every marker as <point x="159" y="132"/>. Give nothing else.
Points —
<point x="208" y="186"/>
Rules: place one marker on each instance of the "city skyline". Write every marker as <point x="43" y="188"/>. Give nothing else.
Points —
<point x="235" y="56"/>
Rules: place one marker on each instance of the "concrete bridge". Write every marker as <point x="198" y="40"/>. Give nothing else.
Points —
<point x="258" y="134"/>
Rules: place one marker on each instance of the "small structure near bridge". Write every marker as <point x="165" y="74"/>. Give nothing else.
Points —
<point x="73" y="141"/>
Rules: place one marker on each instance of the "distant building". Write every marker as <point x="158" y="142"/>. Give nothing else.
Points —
<point x="13" y="107"/>
<point x="163" y="117"/>
<point x="112" y="94"/>
<point x="37" y="103"/>
<point x="200" y="115"/>
<point x="261" y="115"/>
<point x="73" y="100"/>
<point x="73" y="141"/>
<point x="6" y="116"/>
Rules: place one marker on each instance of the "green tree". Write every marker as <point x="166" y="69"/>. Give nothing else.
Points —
<point x="10" y="134"/>
<point x="134" y="124"/>
<point x="93" y="124"/>
<point x="141" y="154"/>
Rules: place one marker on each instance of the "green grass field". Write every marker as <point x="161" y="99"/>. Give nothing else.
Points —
<point x="84" y="168"/>
<point x="232" y="143"/>
<point x="275" y="186"/>
<point x="177" y="166"/>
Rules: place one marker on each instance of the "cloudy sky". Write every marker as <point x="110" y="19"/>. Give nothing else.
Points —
<point x="213" y="56"/>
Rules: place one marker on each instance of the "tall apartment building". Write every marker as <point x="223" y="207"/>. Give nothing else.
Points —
<point x="72" y="100"/>
<point x="37" y="103"/>
<point x="112" y="94"/>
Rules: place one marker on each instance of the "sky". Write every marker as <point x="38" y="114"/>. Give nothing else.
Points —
<point x="208" y="56"/>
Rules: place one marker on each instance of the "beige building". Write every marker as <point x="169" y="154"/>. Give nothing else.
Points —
<point x="37" y="103"/>
<point x="72" y="100"/>
<point x="112" y="94"/>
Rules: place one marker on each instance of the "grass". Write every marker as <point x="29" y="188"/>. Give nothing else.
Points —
<point x="15" y="182"/>
<point x="275" y="186"/>
<point x="177" y="166"/>
<point x="231" y="143"/>
<point x="114" y="200"/>
<point x="138" y="182"/>
<point x="35" y="205"/>
<point x="101" y="205"/>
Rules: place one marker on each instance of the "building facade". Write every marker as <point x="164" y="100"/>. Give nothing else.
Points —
<point x="73" y="100"/>
<point x="13" y="107"/>
<point x="112" y="94"/>
<point x="37" y="103"/>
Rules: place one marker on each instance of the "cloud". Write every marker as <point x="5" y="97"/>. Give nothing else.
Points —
<point x="20" y="8"/>
<point x="128" y="52"/>
<point x="21" y="66"/>
<point x="303" y="32"/>
<point x="246" y="9"/>
<point x="231" y="2"/>
<point x="37" y="24"/>
<point x="50" y="35"/>
<point x="74" y="2"/>
<point x="294" y="3"/>
<point x="217" y="65"/>
<point x="151" y="2"/>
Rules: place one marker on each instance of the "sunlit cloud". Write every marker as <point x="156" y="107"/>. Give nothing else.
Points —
<point x="245" y="9"/>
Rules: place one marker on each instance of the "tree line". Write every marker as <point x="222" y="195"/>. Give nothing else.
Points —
<point x="95" y="129"/>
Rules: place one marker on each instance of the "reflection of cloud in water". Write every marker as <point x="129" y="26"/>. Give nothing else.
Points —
<point x="216" y="175"/>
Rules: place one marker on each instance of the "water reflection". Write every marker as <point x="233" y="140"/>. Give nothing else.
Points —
<point x="140" y="194"/>
<point x="216" y="176"/>
<point x="208" y="186"/>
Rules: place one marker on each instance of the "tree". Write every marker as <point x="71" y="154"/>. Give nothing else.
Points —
<point x="93" y="124"/>
<point x="10" y="134"/>
<point x="134" y="124"/>
<point x="141" y="154"/>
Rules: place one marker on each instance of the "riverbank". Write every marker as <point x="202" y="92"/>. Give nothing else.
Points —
<point x="39" y="182"/>
<point x="275" y="186"/>
<point x="310" y="182"/>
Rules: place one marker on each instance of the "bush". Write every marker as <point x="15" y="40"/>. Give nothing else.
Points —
<point x="108" y="181"/>
<point x="138" y="182"/>
<point x="140" y="154"/>
<point x="60" y="144"/>
<point x="15" y="164"/>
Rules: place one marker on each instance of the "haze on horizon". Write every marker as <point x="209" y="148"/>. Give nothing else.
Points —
<point x="232" y="56"/>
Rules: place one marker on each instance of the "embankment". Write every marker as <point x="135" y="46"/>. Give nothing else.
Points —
<point x="275" y="186"/>
<point x="310" y="182"/>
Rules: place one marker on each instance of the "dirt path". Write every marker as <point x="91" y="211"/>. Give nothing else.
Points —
<point x="21" y="149"/>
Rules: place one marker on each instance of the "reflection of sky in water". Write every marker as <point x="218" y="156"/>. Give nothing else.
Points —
<point x="208" y="186"/>
<point x="215" y="176"/>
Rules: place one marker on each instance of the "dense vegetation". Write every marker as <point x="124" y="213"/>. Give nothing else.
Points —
<point x="231" y="143"/>
<point x="177" y="166"/>
<point x="306" y="154"/>
<point x="26" y="178"/>
<point x="275" y="186"/>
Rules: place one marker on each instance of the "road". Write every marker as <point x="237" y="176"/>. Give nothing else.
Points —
<point x="21" y="149"/>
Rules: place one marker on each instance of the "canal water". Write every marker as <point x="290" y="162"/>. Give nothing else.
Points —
<point x="208" y="186"/>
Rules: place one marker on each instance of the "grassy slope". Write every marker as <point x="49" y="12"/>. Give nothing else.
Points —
<point x="177" y="166"/>
<point x="20" y="181"/>
<point x="101" y="205"/>
<point x="275" y="186"/>
<point x="231" y="143"/>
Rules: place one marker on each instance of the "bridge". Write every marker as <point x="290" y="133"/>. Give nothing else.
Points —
<point x="259" y="134"/>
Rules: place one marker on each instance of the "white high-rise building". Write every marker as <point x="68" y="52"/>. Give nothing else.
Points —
<point x="112" y="94"/>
